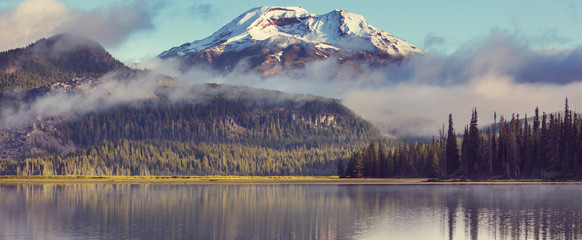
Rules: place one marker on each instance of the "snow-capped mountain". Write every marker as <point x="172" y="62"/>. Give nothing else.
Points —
<point x="270" y="39"/>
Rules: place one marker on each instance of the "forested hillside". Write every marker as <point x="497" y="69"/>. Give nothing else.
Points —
<point x="546" y="146"/>
<point x="259" y="132"/>
<point x="61" y="57"/>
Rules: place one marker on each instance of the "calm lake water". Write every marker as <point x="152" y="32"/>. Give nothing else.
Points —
<point x="151" y="211"/>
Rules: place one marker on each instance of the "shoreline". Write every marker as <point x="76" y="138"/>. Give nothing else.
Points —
<point x="257" y="180"/>
<point x="205" y="180"/>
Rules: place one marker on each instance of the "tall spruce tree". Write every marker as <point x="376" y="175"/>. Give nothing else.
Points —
<point x="494" y="158"/>
<point x="452" y="151"/>
<point x="536" y="144"/>
<point x="465" y="161"/>
<point x="473" y="145"/>
<point x="568" y="141"/>
<point x="544" y="147"/>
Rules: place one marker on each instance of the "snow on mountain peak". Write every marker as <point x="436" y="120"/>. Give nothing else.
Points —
<point x="273" y="39"/>
<point x="278" y="27"/>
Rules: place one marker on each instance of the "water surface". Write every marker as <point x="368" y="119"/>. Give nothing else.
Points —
<point x="158" y="211"/>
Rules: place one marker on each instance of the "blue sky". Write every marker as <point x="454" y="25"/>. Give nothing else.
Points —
<point x="435" y="26"/>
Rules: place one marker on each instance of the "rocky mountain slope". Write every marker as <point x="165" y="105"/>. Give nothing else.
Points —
<point x="273" y="39"/>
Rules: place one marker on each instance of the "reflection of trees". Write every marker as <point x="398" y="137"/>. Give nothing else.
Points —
<point x="472" y="215"/>
<point x="452" y="203"/>
<point x="143" y="211"/>
<point x="150" y="211"/>
<point x="514" y="211"/>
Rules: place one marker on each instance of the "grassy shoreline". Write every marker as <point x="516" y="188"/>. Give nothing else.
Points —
<point x="256" y="180"/>
<point x="206" y="180"/>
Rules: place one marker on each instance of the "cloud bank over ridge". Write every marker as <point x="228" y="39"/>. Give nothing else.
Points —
<point x="499" y="73"/>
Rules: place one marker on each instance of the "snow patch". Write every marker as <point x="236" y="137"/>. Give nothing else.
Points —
<point x="246" y="17"/>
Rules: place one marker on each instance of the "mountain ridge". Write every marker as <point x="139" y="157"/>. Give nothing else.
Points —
<point x="271" y="39"/>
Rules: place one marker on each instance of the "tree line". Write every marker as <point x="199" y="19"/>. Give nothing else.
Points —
<point x="161" y="157"/>
<point x="545" y="146"/>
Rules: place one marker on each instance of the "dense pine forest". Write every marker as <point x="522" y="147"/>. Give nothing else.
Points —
<point x="547" y="146"/>
<point x="220" y="136"/>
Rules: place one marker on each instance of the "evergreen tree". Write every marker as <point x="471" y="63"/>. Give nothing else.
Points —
<point x="452" y="151"/>
<point x="553" y="146"/>
<point x="494" y="146"/>
<point x="356" y="165"/>
<point x="536" y="152"/>
<point x="526" y="147"/>
<point x="514" y="147"/>
<point x="568" y="142"/>
<point x="341" y="168"/>
<point x="385" y="165"/>
<point x="374" y="161"/>
<point x="473" y="146"/>
<point x="490" y="153"/>
<point x="465" y="161"/>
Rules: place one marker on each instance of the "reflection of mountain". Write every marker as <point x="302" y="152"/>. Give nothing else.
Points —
<point x="123" y="211"/>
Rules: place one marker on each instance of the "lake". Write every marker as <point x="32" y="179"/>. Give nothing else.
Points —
<point x="296" y="211"/>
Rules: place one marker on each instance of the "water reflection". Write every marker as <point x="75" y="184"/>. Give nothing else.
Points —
<point x="144" y="211"/>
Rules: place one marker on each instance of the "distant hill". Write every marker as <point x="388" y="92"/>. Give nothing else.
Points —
<point x="256" y="132"/>
<point x="49" y="60"/>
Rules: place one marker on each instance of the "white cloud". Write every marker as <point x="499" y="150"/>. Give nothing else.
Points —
<point x="32" y="20"/>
